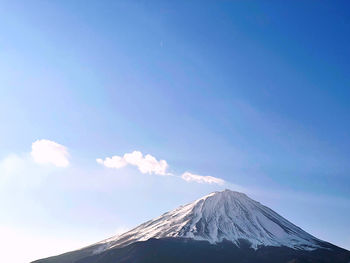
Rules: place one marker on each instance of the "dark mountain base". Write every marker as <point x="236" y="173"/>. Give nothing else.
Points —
<point x="189" y="251"/>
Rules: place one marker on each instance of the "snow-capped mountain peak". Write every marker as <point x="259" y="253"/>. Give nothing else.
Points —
<point x="219" y="216"/>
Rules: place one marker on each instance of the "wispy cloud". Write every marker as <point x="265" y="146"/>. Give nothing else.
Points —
<point x="189" y="177"/>
<point x="113" y="162"/>
<point x="146" y="164"/>
<point x="46" y="151"/>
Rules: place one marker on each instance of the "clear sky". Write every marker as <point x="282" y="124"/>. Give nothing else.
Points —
<point x="247" y="95"/>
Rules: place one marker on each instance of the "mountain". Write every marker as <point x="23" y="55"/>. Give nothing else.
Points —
<point x="223" y="226"/>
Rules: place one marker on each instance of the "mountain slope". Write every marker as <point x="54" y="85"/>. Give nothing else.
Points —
<point x="191" y="251"/>
<point x="225" y="217"/>
<point x="222" y="215"/>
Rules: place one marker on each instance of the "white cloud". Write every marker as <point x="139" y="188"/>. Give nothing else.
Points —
<point x="146" y="164"/>
<point x="46" y="151"/>
<point x="113" y="162"/>
<point x="189" y="177"/>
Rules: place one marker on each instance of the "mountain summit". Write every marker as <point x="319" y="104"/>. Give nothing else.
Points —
<point x="221" y="219"/>
<point x="219" y="216"/>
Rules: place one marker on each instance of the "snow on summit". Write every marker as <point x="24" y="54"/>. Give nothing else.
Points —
<point x="226" y="215"/>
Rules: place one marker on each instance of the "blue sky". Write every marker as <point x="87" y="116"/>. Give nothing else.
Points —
<point x="253" y="93"/>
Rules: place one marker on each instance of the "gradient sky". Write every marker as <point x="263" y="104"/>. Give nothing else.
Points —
<point x="255" y="93"/>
